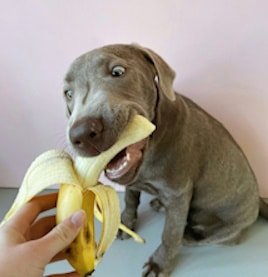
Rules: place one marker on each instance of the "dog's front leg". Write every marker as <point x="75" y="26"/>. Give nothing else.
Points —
<point x="130" y="214"/>
<point x="161" y="262"/>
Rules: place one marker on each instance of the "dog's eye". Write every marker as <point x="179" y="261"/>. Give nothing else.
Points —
<point x="68" y="94"/>
<point x="118" y="71"/>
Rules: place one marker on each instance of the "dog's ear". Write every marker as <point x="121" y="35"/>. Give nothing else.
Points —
<point x="164" y="73"/>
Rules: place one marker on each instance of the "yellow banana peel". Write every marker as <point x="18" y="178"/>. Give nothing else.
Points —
<point x="80" y="189"/>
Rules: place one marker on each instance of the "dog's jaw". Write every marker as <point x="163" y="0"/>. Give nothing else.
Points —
<point x="124" y="167"/>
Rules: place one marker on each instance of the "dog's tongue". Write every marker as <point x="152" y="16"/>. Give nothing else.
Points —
<point x="125" y="161"/>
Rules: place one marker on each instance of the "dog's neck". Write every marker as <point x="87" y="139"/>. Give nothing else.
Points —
<point x="167" y="115"/>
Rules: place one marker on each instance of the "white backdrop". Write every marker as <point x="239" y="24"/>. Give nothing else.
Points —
<point x="218" y="48"/>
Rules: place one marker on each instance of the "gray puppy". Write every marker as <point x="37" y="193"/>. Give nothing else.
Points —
<point x="193" y="166"/>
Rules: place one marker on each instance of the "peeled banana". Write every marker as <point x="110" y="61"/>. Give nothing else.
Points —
<point x="80" y="189"/>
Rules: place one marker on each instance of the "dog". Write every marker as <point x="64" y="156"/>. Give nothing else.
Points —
<point x="197" y="172"/>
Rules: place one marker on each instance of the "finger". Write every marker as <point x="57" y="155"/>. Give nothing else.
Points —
<point x="41" y="227"/>
<point x="23" y="219"/>
<point x="70" y="274"/>
<point x="60" y="237"/>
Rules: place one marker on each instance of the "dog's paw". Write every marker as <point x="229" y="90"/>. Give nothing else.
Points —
<point x="129" y="220"/>
<point x="157" y="205"/>
<point x="152" y="269"/>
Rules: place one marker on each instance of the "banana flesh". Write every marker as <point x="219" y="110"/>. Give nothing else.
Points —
<point x="80" y="189"/>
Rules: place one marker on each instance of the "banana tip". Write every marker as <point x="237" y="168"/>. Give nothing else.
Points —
<point x="88" y="274"/>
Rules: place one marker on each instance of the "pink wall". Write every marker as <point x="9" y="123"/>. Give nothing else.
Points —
<point x="218" y="48"/>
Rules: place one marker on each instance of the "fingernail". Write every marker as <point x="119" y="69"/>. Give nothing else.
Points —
<point x="78" y="218"/>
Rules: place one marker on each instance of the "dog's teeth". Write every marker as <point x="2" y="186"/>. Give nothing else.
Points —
<point x="117" y="170"/>
<point x="123" y="165"/>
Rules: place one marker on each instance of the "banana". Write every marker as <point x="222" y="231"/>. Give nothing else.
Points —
<point x="80" y="189"/>
<point x="80" y="253"/>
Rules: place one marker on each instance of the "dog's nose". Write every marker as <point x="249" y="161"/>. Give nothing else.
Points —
<point x="85" y="135"/>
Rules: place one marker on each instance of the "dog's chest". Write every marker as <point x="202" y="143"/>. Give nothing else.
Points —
<point x="148" y="180"/>
<point x="147" y="187"/>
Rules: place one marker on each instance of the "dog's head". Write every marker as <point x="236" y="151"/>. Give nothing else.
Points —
<point x="103" y="89"/>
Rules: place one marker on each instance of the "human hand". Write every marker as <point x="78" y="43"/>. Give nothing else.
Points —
<point x="28" y="244"/>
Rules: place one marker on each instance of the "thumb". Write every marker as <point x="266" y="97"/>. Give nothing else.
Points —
<point x="61" y="236"/>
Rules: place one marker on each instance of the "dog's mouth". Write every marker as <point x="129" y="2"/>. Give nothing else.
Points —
<point x="124" y="166"/>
